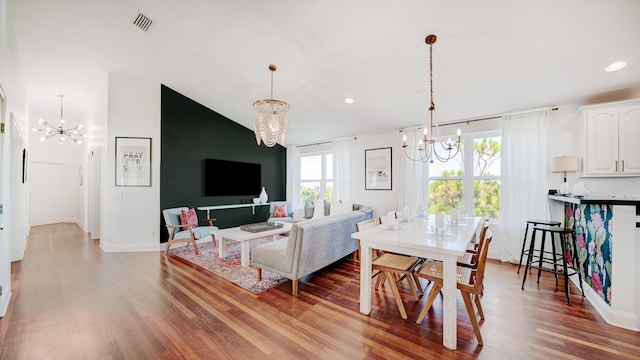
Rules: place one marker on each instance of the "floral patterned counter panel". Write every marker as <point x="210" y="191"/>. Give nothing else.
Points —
<point x="593" y="225"/>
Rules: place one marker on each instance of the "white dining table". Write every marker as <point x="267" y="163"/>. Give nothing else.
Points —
<point x="417" y="237"/>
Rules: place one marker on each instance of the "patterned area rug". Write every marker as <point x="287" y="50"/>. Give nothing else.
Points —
<point x="229" y="268"/>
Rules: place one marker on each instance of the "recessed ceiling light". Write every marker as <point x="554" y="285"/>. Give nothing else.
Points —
<point x="615" y="66"/>
<point x="348" y="100"/>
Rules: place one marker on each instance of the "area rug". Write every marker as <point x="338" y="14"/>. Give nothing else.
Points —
<point x="229" y="268"/>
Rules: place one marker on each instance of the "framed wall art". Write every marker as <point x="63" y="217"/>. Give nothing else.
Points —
<point x="377" y="167"/>
<point x="133" y="161"/>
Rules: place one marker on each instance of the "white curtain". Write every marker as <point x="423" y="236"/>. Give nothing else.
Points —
<point x="413" y="176"/>
<point x="524" y="177"/>
<point x="293" y="177"/>
<point x="343" y="152"/>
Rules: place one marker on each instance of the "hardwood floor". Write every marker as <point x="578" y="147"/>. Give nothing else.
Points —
<point x="73" y="301"/>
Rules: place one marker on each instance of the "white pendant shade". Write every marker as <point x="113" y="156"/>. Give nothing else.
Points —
<point x="271" y="121"/>
<point x="271" y="118"/>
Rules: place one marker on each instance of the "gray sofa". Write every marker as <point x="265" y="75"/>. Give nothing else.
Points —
<point x="312" y="245"/>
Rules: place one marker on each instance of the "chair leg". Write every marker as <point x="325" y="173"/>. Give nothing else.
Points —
<point x="413" y="287"/>
<point x="524" y="242"/>
<point x="435" y="290"/>
<point x="472" y="315"/>
<point x="416" y="279"/>
<point x="195" y="247"/>
<point x="259" y="274"/>
<point x="396" y="294"/>
<point x="166" y="249"/>
<point x="294" y="287"/>
<point x="479" y="307"/>
<point x="380" y="279"/>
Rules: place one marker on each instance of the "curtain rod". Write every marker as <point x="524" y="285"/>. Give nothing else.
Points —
<point x="327" y="142"/>
<point x="467" y="121"/>
<point x="484" y="118"/>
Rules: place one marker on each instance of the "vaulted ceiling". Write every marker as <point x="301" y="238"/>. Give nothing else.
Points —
<point x="491" y="57"/>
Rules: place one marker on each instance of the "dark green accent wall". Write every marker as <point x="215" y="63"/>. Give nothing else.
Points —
<point x="190" y="132"/>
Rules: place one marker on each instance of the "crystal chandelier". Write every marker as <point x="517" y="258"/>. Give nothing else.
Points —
<point x="51" y="131"/>
<point x="428" y="148"/>
<point x="271" y="118"/>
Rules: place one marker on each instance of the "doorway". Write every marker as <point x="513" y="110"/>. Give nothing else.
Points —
<point x="46" y="193"/>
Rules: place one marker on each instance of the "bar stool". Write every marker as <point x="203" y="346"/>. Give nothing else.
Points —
<point x="552" y="257"/>
<point x="526" y="230"/>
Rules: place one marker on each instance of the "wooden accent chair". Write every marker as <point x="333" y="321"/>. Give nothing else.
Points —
<point x="179" y="233"/>
<point x="468" y="282"/>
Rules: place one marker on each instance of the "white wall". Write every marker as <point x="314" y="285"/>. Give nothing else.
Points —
<point x="12" y="82"/>
<point x="131" y="215"/>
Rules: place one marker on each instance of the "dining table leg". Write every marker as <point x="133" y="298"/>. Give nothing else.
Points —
<point x="449" y="330"/>
<point x="365" y="279"/>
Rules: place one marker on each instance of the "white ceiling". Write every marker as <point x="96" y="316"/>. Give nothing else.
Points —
<point x="491" y="57"/>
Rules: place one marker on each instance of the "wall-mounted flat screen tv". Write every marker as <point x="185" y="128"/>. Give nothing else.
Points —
<point x="225" y="178"/>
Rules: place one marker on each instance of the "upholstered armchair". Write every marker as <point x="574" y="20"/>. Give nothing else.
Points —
<point x="179" y="233"/>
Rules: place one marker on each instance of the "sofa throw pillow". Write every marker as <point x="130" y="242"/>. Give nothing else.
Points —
<point x="188" y="218"/>
<point x="340" y="208"/>
<point x="318" y="208"/>
<point x="280" y="211"/>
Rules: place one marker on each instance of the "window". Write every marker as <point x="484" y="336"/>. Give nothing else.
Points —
<point x="446" y="182"/>
<point x="316" y="177"/>
<point x="486" y="176"/>
<point x="471" y="180"/>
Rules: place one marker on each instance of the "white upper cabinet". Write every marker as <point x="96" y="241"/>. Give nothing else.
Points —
<point x="629" y="139"/>
<point x="612" y="139"/>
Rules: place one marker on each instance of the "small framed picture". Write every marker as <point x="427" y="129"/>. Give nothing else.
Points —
<point x="133" y="161"/>
<point x="377" y="167"/>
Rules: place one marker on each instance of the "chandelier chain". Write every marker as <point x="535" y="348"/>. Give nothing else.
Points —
<point x="433" y="105"/>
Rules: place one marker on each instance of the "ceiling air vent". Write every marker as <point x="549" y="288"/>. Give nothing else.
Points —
<point x="142" y="22"/>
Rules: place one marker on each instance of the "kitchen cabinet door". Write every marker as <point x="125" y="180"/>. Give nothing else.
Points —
<point x="629" y="139"/>
<point x="601" y="157"/>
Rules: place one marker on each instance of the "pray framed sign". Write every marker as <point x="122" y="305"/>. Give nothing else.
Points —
<point x="133" y="161"/>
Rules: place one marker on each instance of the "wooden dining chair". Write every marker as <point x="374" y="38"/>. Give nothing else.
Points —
<point x="386" y="265"/>
<point x="468" y="281"/>
<point x="403" y="266"/>
<point x="361" y="226"/>
<point x="470" y="258"/>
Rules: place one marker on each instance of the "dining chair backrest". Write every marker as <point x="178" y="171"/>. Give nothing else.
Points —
<point x="484" y="227"/>
<point x="482" y="261"/>
<point x="367" y="224"/>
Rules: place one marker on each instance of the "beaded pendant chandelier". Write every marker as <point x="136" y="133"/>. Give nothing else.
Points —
<point x="271" y="118"/>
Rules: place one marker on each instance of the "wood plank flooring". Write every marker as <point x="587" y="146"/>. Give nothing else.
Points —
<point x="73" y="301"/>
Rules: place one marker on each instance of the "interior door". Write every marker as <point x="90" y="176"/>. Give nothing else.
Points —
<point x="93" y="182"/>
<point x="45" y="196"/>
<point x="5" y="248"/>
<point x="17" y="184"/>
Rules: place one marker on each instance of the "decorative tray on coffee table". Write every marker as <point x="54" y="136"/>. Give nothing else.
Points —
<point x="263" y="226"/>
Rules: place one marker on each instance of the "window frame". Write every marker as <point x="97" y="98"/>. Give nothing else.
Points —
<point x="469" y="178"/>
<point x="323" y="180"/>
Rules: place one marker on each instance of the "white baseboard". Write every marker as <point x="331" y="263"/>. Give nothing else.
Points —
<point x="612" y="317"/>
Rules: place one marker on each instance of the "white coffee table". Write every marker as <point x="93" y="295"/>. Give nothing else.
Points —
<point x="244" y="237"/>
